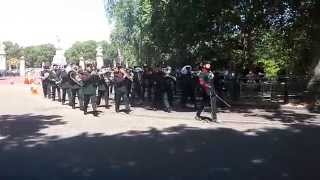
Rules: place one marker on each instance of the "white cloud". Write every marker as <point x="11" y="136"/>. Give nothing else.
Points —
<point x="29" y="22"/>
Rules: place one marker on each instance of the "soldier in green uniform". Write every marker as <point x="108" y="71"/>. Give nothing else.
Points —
<point x="90" y="81"/>
<point x="203" y="90"/>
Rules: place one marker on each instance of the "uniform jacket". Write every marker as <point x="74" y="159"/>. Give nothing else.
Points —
<point x="43" y="73"/>
<point x="65" y="80"/>
<point x="90" y="83"/>
<point x="120" y="82"/>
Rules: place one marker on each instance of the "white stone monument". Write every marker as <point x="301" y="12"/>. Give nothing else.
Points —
<point x="22" y="66"/>
<point x="3" y="59"/>
<point x="59" y="58"/>
<point x="81" y="63"/>
<point x="120" y="58"/>
<point x="99" y="57"/>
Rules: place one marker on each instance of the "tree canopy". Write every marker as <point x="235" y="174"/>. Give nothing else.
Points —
<point x="280" y="35"/>
<point x="34" y="55"/>
<point x="86" y="49"/>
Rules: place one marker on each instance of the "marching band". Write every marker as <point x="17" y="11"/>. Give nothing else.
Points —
<point x="132" y="87"/>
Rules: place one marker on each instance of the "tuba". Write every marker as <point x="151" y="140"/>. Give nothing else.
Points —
<point x="75" y="77"/>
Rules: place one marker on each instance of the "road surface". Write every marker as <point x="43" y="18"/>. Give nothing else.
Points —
<point x="41" y="139"/>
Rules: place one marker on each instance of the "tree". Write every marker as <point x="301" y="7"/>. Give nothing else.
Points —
<point x="86" y="49"/>
<point x="13" y="50"/>
<point x="36" y="55"/>
<point x="272" y="52"/>
<point x="109" y="52"/>
<point x="223" y="31"/>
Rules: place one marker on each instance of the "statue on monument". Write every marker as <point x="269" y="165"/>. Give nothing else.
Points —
<point x="59" y="58"/>
<point x="99" y="51"/>
<point x="99" y="57"/>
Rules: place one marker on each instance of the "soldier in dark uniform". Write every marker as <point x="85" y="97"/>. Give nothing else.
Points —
<point x="202" y="91"/>
<point x="121" y="78"/>
<point x="54" y="79"/>
<point x="137" y="96"/>
<point x="168" y="86"/>
<point x="156" y="78"/>
<point x="129" y="82"/>
<point x="75" y="86"/>
<point x="65" y="86"/>
<point x="186" y="85"/>
<point x="146" y="83"/>
<point x="90" y="81"/>
<point x="44" y="75"/>
<point x="105" y="79"/>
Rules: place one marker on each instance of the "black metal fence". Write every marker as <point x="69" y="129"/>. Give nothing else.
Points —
<point x="282" y="89"/>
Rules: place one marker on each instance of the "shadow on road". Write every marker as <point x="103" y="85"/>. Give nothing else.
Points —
<point x="19" y="129"/>
<point x="176" y="153"/>
<point x="274" y="114"/>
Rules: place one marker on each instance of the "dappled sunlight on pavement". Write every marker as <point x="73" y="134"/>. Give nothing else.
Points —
<point x="41" y="139"/>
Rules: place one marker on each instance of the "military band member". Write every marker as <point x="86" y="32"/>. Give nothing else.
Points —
<point x="54" y="79"/>
<point x="168" y="86"/>
<point x="105" y="80"/>
<point x="187" y="85"/>
<point x="121" y="87"/>
<point x="44" y="76"/>
<point x="90" y="81"/>
<point x="137" y="89"/>
<point x="147" y="83"/>
<point x="156" y="79"/>
<point x="202" y="93"/>
<point x="75" y="86"/>
<point x="65" y="85"/>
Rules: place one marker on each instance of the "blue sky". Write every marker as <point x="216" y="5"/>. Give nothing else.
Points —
<point x="32" y="22"/>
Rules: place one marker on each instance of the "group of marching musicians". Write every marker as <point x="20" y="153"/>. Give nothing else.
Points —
<point x="132" y="87"/>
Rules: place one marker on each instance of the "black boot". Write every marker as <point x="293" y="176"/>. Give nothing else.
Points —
<point x="127" y="111"/>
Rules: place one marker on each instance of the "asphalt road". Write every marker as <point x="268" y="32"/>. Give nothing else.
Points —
<point x="41" y="139"/>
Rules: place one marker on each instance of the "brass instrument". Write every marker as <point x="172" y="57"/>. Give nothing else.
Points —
<point x="46" y="75"/>
<point x="75" y="77"/>
<point x="126" y="74"/>
<point x="107" y="75"/>
<point x="172" y="77"/>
